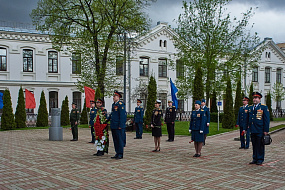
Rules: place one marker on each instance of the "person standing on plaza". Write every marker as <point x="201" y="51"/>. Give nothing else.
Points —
<point x="207" y="112"/>
<point x="101" y="129"/>
<point x="197" y="125"/>
<point x="259" y="120"/>
<point x="118" y="119"/>
<point x="138" y="119"/>
<point x="170" y="116"/>
<point x="93" y="112"/>
<point x="156" y="125"/>
<point x="74" y="117"/>
<point x="242" y="123"/>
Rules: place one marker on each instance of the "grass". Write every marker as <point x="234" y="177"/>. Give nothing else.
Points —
<point x="279" y="119"/>
<point x="182" y="128"/>
<point x="276" y="127"/>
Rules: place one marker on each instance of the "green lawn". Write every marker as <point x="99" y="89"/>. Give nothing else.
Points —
<point x="182" y="128"/>
<point x="279" y="119"/>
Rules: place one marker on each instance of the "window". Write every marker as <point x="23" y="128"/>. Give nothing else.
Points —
<point x="77" y="99"/>
<point x="3" y="59"/>
<point x="119" y="65"/>
<point x="267" y="75"/>
<point x="76" y="63"/>
<point x="160" y="43"/>
<point x="164" y="43"/>
<point x="163" y="98"/>
<point x="52" y="62"/>
<point x="255" y="74"/>
<point x="27" y="60"/>
<point x="179" y="68"/>
<point x="29" y="111"/>
<point x="162" y="68"/>
<point x="180" y="105"/>
<point x="267" y="56"/>
<point x="53" y="100"/>
<point x="278" y="76"/>
<point x="144" y="66"/>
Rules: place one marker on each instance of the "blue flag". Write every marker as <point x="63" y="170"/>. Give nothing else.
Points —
<point x="1" y="100"/>
<point x="174" y="90"/>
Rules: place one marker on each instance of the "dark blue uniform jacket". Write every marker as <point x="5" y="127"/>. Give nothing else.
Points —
<point x="139" y="112"/>
<point x="118" y="116"/>
<point x="242" y="119"/>
<point x="198" y="120"/>
<point x="259" y="119"/>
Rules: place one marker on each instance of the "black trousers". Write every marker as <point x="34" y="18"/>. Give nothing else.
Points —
<point x="170" y="130"/>
<point x="258" y="147"/>
<point x="74" y="130"/>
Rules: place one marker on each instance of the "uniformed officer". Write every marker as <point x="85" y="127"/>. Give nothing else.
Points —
<point x="93" y="112"/>
<point x="207" y="112"/>
<point x="197" y="126"/>
<point x="156" y="125"/>
<point x="138" y="118"/>
<point x="74" y="117"/>
<point x="170" y="116"/>
<point x="259" y="126"/>
<point x="242" y="123"/>
<point x="118" y="119"/>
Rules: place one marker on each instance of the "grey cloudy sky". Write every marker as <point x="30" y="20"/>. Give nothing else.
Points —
<point x="268" y="19"/>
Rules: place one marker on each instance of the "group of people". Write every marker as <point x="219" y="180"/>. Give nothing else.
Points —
<point x="253" y="122"/>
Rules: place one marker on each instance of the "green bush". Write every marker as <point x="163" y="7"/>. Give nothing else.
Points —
<point x="214" y="117"/>
<point x="229" y="116"/>
<point x="151" y="98"/>
<point x="20" y="114"/>
<point x="83" y="116"/>
<point x="65" y="112"/>
<point x="7" y="118"/>
<point x="42" y="118"/>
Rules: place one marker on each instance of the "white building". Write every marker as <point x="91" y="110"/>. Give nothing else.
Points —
<point x="27" y="59"/>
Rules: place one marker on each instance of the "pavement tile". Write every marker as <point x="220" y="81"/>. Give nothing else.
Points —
<point x="30" y="161"/>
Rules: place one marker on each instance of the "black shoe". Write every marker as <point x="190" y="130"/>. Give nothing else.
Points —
<point x="114" y="157"/>
<point x="91" y="142"/>
<point x="170" y="140"/>
<point x="241" y="148"/>
<point x="74" y="140"/>
<point x="198" y="155"/>
<point x="246" y="148"/>
<point x="154" y="150"/>
<point x="100" y="153"/>
<point x="119" y="157"/>
<point x="253" y="162"/>
<point x="195" y="155"/>
<point x="167" y="140"/>
<point x="136" y="138"/>
<point x="259" y="163"/>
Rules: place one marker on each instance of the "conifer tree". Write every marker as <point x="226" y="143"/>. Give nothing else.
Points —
<point x="269" y="105"/>
<point x="98" y="94"/>
<point x="198" y="87"/>
<point x="83" y="116"/>
<point x="228" y="120"/>
<point x="20" y="115"/>
<point x="7" y="118"/>
<point x="250" y="102"/>
<point x="42" y="118"/>
<point x="238" y="100"/>
<point x="65" y="112"/>
<point x="151" y="98"/>
<point x="214" y="108"/>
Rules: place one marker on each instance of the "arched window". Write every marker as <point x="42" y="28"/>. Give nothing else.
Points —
<point x="27" y="60"/>
<point x="160" y="43"/>
<point x="3" y="59"/>
<point x="164" y="43"/>
<point x="52" y="62"/>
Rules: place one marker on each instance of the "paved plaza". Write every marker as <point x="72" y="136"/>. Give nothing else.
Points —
<point x="30" y="161"/>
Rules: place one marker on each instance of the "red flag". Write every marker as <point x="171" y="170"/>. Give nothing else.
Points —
<point x="30" y="100"/>
<point x="89" y="95"/>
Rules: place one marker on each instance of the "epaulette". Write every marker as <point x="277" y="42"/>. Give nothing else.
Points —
<point x="263" y="104"/>
<point x="173" y="106"/>
<point x="202" y="110"/>
<point x="120" y="103"/>
<point x="141" y="107"/>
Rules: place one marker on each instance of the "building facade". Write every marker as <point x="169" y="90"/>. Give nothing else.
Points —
<point x="27" y="59"/>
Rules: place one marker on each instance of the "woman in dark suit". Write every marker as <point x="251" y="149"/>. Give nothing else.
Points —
<point x="156" y="125"/>
<point x="197" y="123"/>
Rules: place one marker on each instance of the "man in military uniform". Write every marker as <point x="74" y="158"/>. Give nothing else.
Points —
<point x="93" y="112"/>
<point x="118" y="119"/>
<point x="242" y="123"/>
<point x="138" y="119"/>
<point x="259" y="126"/>
<point x="74" y="117"/>
<point x="169" y="119"/>
<point x="207" y="113"/>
